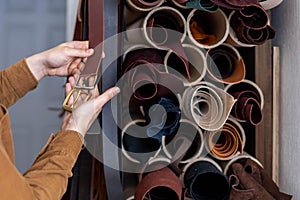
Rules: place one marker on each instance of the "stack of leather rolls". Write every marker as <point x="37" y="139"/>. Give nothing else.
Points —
<point x="186" y="100"/>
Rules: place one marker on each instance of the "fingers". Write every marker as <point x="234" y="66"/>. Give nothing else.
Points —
<point x="74" y="67"/>
<point x="80" y="53"/>
<point x="69" y="86"/>
<point x="78" y="44"/>
<point x="101" y="100"/>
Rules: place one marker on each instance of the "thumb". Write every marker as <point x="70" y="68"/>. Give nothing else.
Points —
<point x="101" y="100"/>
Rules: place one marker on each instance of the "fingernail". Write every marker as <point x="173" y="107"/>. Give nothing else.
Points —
<point x="116" y="91"/>
<point x="90" y="51"/>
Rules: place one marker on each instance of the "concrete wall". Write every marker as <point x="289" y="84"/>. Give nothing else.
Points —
<point x="286" y="21"/>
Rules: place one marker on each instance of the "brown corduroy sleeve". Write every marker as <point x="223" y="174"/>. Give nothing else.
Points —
<point x="48" y="176"/>
<point x="15" y="82"/>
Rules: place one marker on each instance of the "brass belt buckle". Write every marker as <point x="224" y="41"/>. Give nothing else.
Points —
<point x="83" y="85"/>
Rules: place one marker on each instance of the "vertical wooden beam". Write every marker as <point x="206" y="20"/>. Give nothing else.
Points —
<point x="264" y="131"/>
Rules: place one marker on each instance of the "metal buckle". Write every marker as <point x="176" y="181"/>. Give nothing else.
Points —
<point x="83" y="85"/>
<point x="78" y="93"/>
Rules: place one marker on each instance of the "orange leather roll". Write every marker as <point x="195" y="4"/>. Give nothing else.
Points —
<point x="226" y="142"/>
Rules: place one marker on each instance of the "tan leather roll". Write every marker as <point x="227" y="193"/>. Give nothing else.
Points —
<point x="226" y="142"/>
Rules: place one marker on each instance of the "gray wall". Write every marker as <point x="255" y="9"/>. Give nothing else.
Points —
<point x="285" y="19"/>
<point x="28" y="27"/>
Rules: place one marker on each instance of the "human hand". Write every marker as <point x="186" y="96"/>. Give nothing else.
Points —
<point x="62" y="60"/>
<point x="84" y="113"/>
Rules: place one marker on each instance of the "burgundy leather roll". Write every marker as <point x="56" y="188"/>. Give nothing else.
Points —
<point x="234" y="4"/>
<point x="165" y="31"/>
<point x="247" y="107"/>
<point x="144" y="74"/>
<point x="162" y="184"/>
<point x="251" y="25"/>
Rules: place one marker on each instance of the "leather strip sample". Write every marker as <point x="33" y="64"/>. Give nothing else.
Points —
<point x="110" y="153"/>
<point x="205" y="181"/>
<point x="162" y="184"/>
<point x="207" y="105"/>
<point x="224" y="64"/>
<point x="227" y="142"/>
<point x="207" y="29"/>
<point x="89" y="75"/>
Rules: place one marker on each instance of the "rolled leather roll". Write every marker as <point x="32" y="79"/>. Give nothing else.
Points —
<point x="207" y="105"/>
<point x="207" y="29"/>
<point x="249" y="101"/>
<point x="226" y="142"/>
<point x="247" y="107"/>
<point x="250" y="180"/>
<point x="251" y="25"/>
<point x="162" y="184"/>
<point x="197" y="64"/>
<point x="224" y="64"/>
<point x="145" y="78"/>
<point x="137" y="147"/>
<point x="162" y="118"/>
<point x="165" y="29"/>
<point x="205" y="181"/>
<point x="188" y="134"/>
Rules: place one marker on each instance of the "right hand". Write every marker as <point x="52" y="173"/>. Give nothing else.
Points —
<point x="85" y="113"/>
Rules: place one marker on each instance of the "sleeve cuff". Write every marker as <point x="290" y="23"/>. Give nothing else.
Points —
<point x="21" y="78"/>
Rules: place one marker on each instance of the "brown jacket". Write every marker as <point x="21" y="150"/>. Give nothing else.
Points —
<point x="47" y="177"/>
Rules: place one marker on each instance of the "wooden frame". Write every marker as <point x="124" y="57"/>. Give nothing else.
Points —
<point x="266" y="140"/>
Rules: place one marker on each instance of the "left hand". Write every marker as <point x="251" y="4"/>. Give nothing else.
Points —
<point x="62" y="60"/>
<point x="85" y="112"/>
